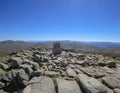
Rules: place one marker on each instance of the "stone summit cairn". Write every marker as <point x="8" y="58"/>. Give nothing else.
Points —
<point x="56" y="48"/>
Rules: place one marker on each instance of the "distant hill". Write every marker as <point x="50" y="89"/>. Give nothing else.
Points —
<point x="104" y="48"/>
<point x="9" y="46"/>
<point x="86" y="45"/>
<point x="107" y="45"/>
<point x="78" y="46"/>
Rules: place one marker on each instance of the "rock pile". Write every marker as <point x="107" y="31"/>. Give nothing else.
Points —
<point x="42" y="71"/>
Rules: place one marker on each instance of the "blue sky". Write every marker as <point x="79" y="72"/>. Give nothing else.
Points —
<point x="81" y="20"/>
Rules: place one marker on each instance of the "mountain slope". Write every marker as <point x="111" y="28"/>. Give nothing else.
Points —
<point x="107" y="45"/>
<point x="76" y="45"/>
<point x="7" y="47"/>
<point x="10" y="46"/>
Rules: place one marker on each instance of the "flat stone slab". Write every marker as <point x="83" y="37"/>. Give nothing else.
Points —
<point x="68" y="86"/>
<point x="111" y="82"/>
<point x="91" y="85"/>
<point x="93" y="72"/>
<point x="40" y="85"/>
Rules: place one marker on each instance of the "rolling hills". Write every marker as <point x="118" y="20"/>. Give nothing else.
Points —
<point x="105" y="48"/>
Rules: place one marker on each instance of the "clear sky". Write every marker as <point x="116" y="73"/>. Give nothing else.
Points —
<point x="81" y="20"/>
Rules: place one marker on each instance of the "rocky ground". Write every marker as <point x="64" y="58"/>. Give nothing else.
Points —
<point x="39" y="71"/>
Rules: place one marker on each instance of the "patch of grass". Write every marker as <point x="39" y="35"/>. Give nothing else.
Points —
<point x="55" y="84"/>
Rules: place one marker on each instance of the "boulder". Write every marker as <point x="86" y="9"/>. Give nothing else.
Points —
<point x="22" y="75"/>
<point x="117" y="90"/>
<point x="51" y="68"/>
<point x="2" y="72"/>
<point x="101" y="63"/>
<point x="91" y="85"/>
<point x="9" y="76"/>
<point x="40" y="84"/>
<point x="67" y="86"/>
<point x="63" y="73"/>
<point x="108" y="70"/>
<point x="111" y="65"/>
<point x="72" y="65"/>
<point x="9" y="80"/>
<point x="83" y="63"/>
<point x="111" y="82"/>
<point x="15" y="62"/>
<point x="63" y="64"/>
<point x="20" y="80"/>
<point x="36" y="74"/>
<point x="35" y="66"/>
<point x="36" y="52"/>
<point x="2" y="85"/>
<point x="70" y="72"/>
<point x="78" y="71"/>
<point x="4" y="66"/>
<point x="96" y="72"/>
<point x="81" y="57"/>
<point x="80" y="62"/>
<point x="51" y="73"/>
<point x="45" y="59"/>
<point x="26" y="68"/>
<point x="37" y="58"/>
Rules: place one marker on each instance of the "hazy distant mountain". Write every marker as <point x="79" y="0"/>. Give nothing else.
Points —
<point x="9" y="46"/>
<point x="96" y="45"/>
<point x="73" y="45"/>
<point x="109" y="45"/>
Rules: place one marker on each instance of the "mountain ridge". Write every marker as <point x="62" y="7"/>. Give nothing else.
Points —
<point x="9" y="46"/>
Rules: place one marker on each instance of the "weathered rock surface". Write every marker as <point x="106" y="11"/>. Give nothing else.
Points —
<point x="63" y="64"/>
<point x="15" y="62"/>
<point x="47" y="71"/>
<point x="28" y="69"/>
<point x="4" y="66"/>
<point x="71" y="72"/>
<point x="51" y="73"/>
<point x="81" y="63"/>
<point x="91" y="85"/>
<point x="40" y="85"/>
<point x="116" y="90"/>
<point x="101" y="63"/>
<point x="66" y="86"/>
<point x="111" y="65"/>
<point x="1" y="85"/>
<point x="93" y="72"/>
<point x="22" y="77"/>
<point x="111" y="82"/>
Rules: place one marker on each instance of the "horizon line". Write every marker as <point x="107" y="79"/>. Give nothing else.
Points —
<point x="60" y="40"/>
